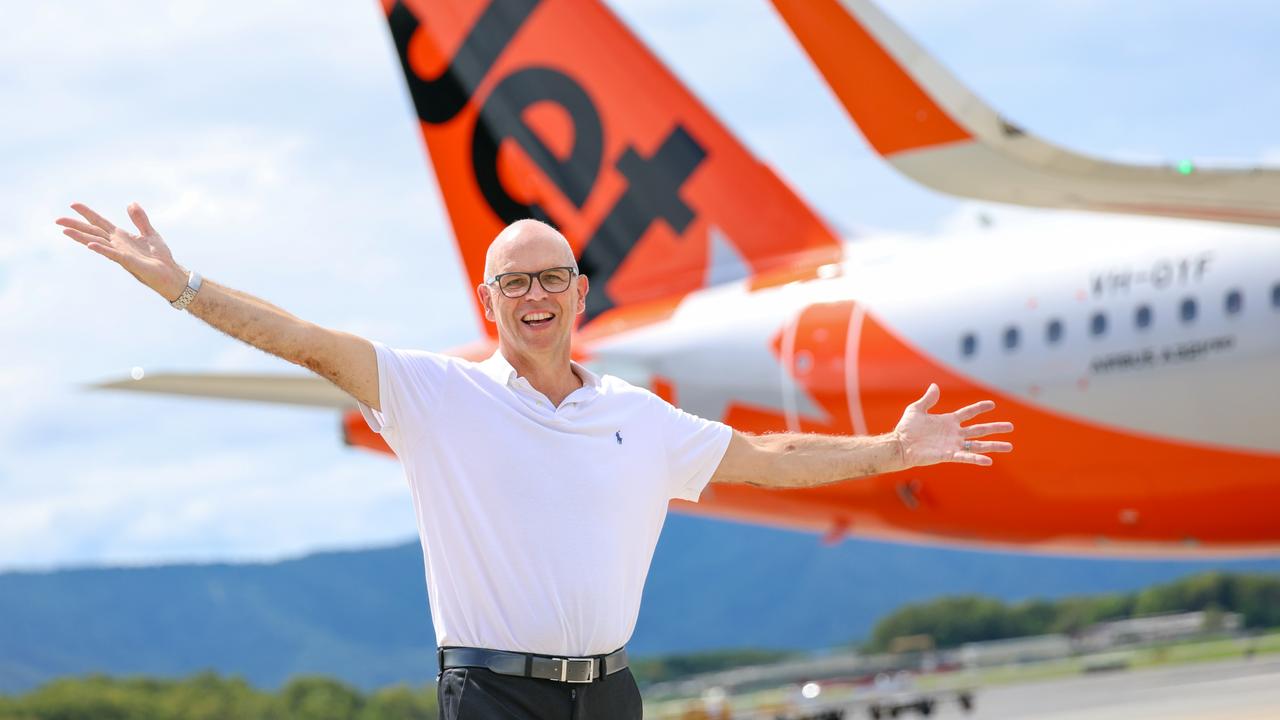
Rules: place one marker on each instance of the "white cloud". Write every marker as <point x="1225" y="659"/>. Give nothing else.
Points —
<point x="253" y="502"/>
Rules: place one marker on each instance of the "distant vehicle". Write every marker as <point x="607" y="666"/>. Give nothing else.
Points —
<point x="896" y="693"/>
<point x="888" y="695"/>
<point x="1107" y="662"/>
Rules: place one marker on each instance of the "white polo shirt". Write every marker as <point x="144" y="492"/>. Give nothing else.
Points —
<point x="537" y="523"/>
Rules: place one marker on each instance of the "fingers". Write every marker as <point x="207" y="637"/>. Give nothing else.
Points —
<point x="969" y="411"/>
<point x="971" y="458"/>
<point x="986" y="429"/>
<point x="82" y="227"/>
<point x="107" y="250"/>
<point x="140" y="220"/>
<point x="930" y="397"/>
<point x="83" y="238"/>
<point x="95" y="243"/>
<point x="990" y="446"/>
<point x="94" y="218"/>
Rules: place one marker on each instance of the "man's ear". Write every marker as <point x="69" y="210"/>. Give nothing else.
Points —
<point x="583" y="286"/>
<point x="486" y="301"/>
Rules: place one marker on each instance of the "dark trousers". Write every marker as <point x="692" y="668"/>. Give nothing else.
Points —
<point x="480" y="694"/>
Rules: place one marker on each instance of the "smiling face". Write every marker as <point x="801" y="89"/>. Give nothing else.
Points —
<point x="523" y="323"/>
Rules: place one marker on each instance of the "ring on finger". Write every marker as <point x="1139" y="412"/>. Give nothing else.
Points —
<point x="967" y="445"/>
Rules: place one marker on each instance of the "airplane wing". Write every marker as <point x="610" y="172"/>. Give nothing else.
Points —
<point x="304" y="390"/>
<point x="930" y="127"/>
<point x="308" y="390"/>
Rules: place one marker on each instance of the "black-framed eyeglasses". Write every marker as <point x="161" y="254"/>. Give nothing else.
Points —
<point x="517" y="284"/>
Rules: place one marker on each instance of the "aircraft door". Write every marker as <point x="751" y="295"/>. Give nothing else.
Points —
<point x="818" y="352"/>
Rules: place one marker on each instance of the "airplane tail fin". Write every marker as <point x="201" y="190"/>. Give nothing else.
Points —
<point x="553" y="109"/>
<point x="930" y="127"/>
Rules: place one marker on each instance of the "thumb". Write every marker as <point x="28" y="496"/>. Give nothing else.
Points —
<point x="930" y="397"/>
<point x="140" y="219"/>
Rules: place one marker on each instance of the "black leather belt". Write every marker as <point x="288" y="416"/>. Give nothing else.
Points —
<point x="546" y="667"/>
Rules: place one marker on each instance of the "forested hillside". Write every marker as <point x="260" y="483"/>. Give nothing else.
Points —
<point x="951" y="621"/>
<point x="362" y="616"/>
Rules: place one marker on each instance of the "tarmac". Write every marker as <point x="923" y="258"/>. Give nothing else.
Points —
<point x="1224" y="690"/>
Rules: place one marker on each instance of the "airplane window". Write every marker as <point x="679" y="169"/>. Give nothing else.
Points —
<point x="1234" y="302"/>
<point x="1188" y="309"/>
<point x="1054" y="332"/>
<point x="1010" y="337"/>
<point x="1142" y="318"/>
<point x="968" y="345"/>
<point x="1098" y="324"/>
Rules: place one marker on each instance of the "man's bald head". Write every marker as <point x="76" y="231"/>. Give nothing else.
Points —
<point x="524" y="235"/>
<point x="539" y="322"/>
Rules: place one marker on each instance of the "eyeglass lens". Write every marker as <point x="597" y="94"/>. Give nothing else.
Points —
<point x="553" y="280"/>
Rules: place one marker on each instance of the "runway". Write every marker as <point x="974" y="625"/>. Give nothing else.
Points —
<point x="1225" y="690"/>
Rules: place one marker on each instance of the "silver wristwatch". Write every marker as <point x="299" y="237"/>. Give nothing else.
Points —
<point x="193" y="287"/>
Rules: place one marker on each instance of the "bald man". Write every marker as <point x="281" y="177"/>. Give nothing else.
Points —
<point x="540" y="487"/>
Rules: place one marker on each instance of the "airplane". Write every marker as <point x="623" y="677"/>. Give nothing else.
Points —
<point x="1138" y="358"/>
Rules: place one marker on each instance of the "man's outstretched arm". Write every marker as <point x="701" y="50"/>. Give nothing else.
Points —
<point x="346" y="360"/>
<point x="798" y="460"/>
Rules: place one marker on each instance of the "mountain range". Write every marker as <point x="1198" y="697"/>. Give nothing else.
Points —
<point x="362" y="615"/>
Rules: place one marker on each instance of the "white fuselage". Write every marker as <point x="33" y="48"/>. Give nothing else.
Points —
<point x="981" y="303"/>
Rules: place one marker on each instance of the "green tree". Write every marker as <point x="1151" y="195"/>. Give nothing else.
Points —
<point x="955" y="620"/>
<point x="206" y="696"/>
<point x="400" y="703"/>
<point x="319" y="698"/>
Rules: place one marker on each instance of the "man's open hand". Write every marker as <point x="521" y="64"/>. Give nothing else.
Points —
<point x="928" y="439"/>
<point x="145" y="256"/>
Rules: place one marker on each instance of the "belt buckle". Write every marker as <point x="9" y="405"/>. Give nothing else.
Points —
<point x="589" y="667"/>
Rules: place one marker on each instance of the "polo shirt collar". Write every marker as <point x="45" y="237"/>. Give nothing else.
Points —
<point x="497" y="367"/>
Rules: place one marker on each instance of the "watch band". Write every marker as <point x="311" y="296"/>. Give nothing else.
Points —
<point x="193" y="287"/>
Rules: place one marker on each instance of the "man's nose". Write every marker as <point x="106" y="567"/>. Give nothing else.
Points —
<point x="536" y="291"/>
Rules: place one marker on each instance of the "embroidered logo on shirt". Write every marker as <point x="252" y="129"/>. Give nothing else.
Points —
<point x="619" y="436"/>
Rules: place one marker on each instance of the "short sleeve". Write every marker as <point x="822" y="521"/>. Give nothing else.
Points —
<point x="408" y="385"/>
<point x="695" y="446"/>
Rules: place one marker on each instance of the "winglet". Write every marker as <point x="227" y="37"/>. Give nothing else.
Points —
<point x="930" y="127"/>
<point x="863" y="67"/>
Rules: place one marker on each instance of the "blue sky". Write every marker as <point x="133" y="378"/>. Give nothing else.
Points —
<point x="275" y="149"/>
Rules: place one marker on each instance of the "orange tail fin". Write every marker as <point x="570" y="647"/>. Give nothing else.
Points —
<point x="553" y="109"/>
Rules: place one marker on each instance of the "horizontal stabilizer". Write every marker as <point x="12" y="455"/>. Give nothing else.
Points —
<point x="308" y="390"/>
<point x="930" y="127"/>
